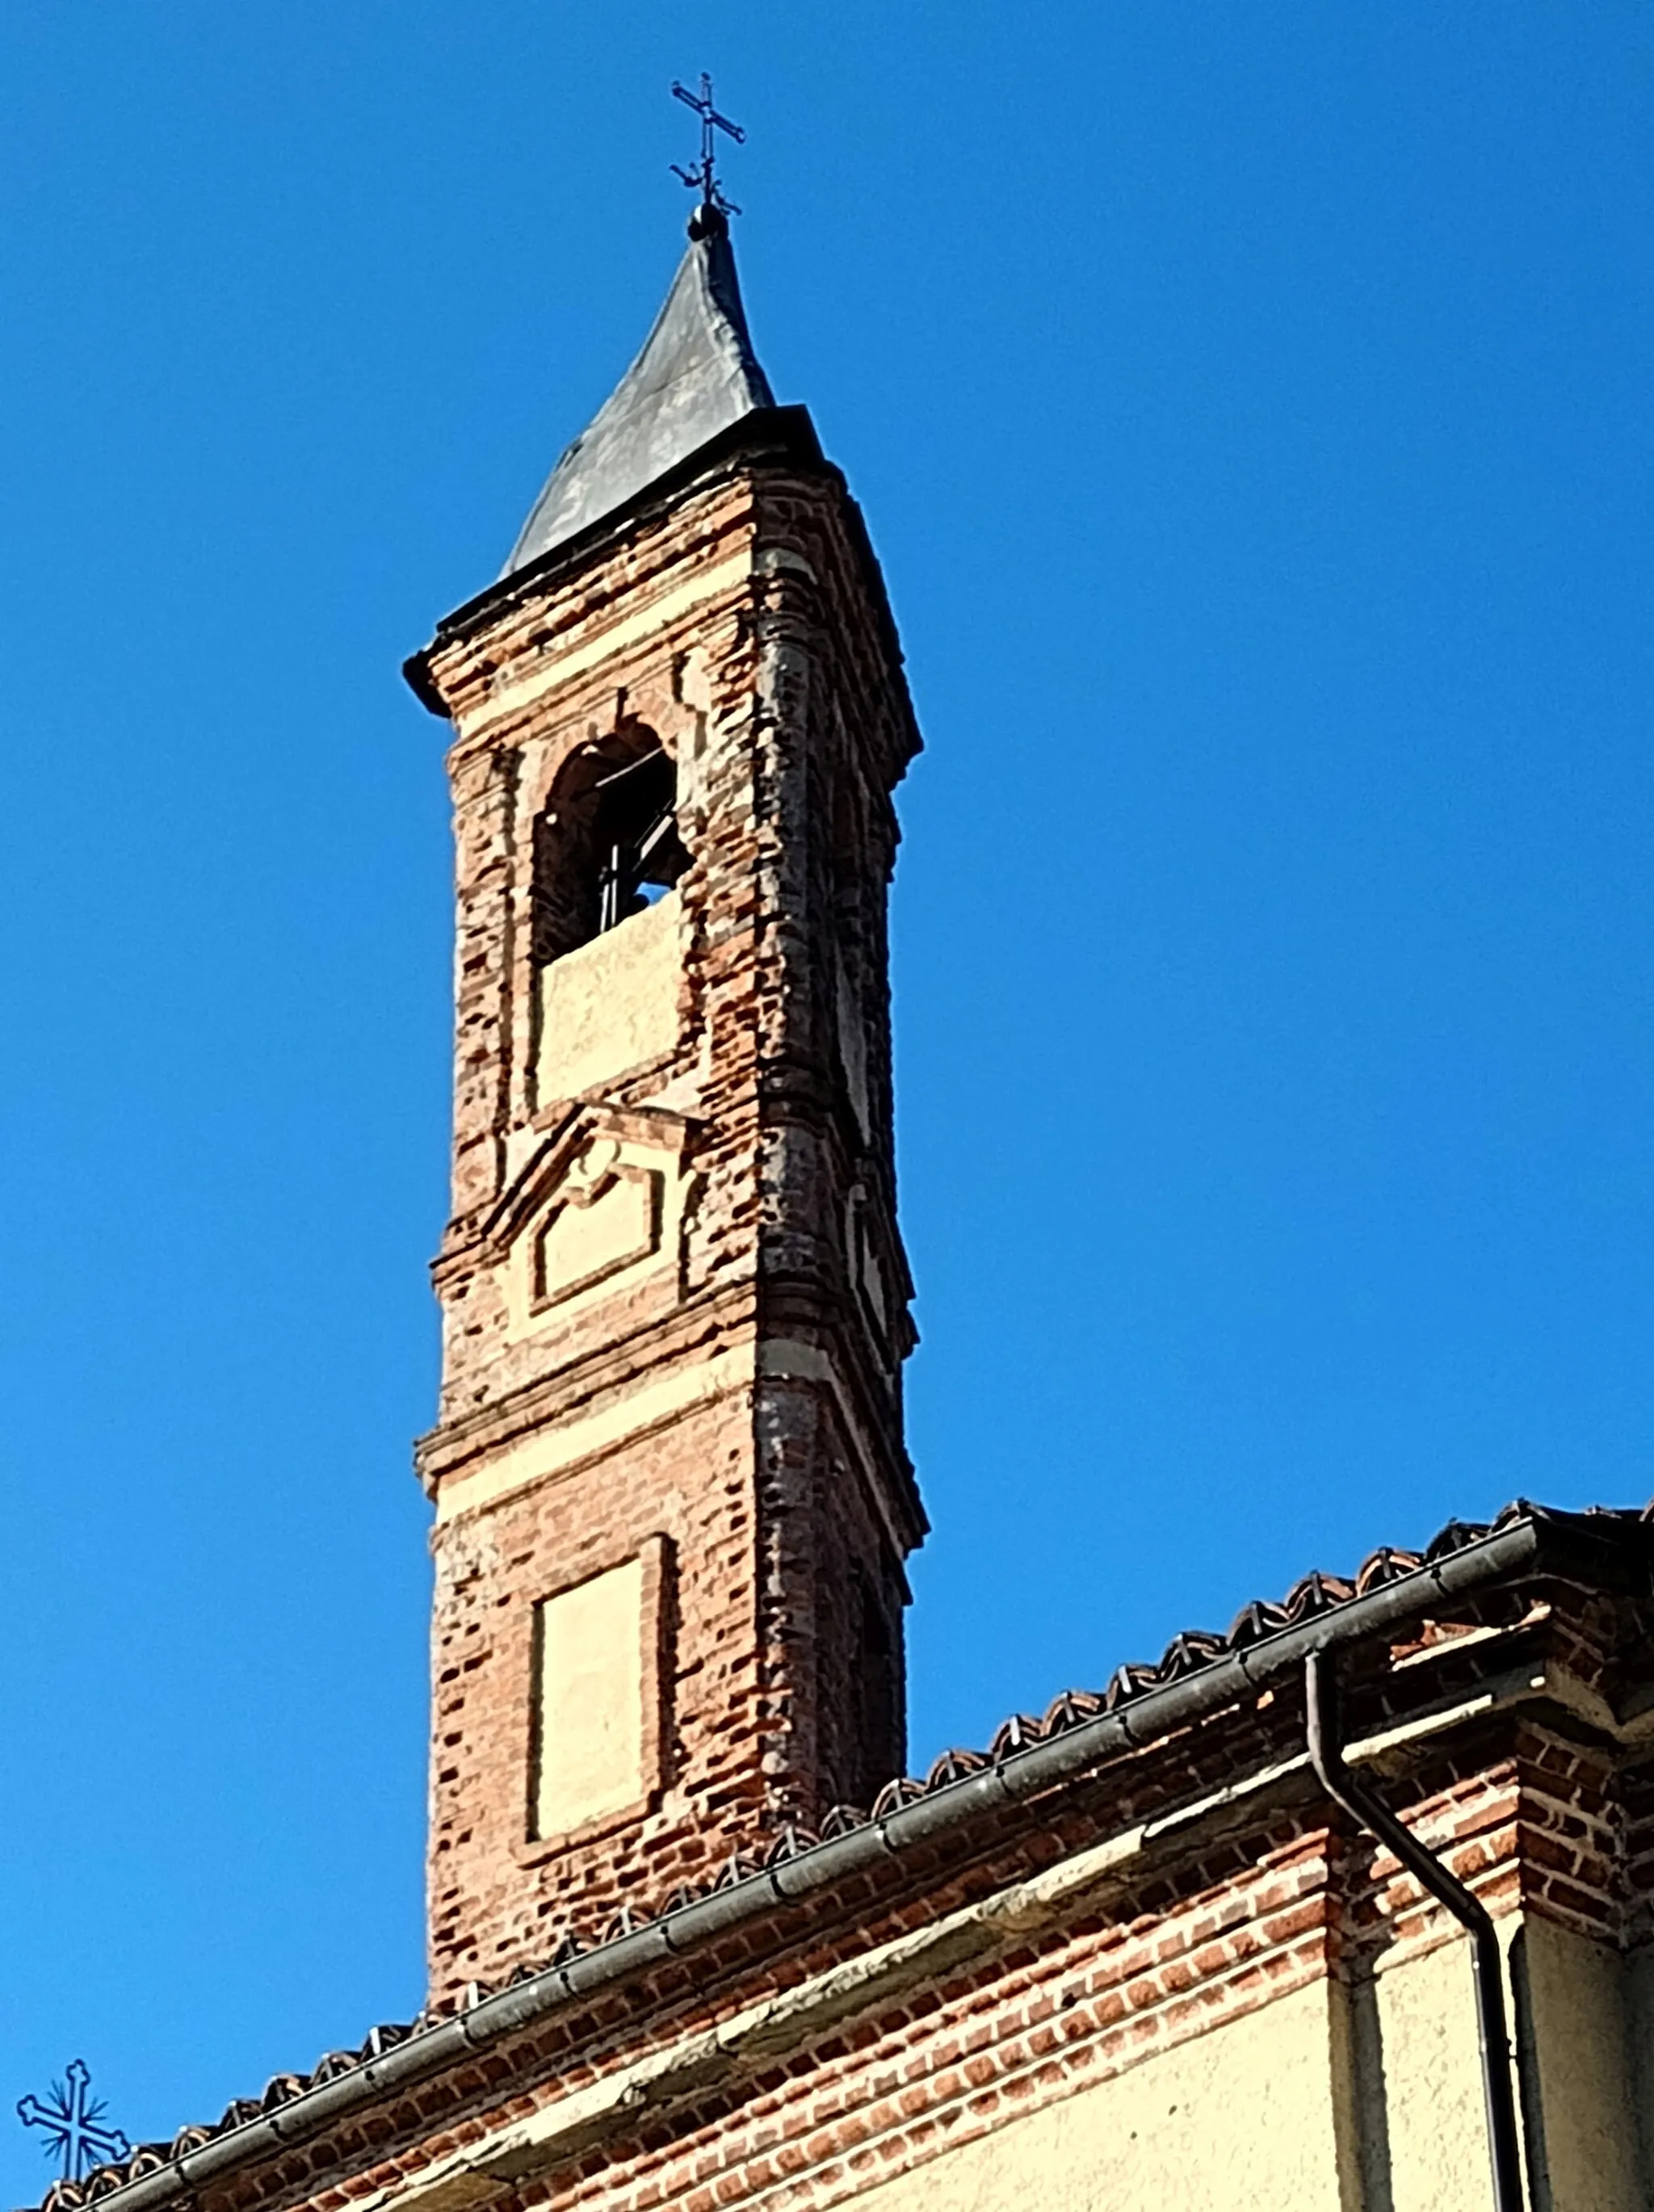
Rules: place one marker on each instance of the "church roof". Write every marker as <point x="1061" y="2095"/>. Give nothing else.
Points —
<point x="696" y="375"/>
<point x="1199" y="1675"/>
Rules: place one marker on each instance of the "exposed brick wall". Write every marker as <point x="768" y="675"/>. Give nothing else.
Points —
<point x="972" y="2054"/>
<point x="1572" y="1845"/>
<point x="787" y="1502"/>
<point x="495" y="1896"/>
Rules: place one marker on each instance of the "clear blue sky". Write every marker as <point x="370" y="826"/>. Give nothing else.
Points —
<point x="1250" y="405"/>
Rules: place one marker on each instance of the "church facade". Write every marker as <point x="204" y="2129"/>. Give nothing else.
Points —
<point x="1347" y="1909"/>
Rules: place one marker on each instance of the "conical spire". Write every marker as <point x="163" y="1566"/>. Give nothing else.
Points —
<point x="696" y="376"/>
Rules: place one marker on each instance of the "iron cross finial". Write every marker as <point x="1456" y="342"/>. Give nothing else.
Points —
<point x="704" y="176"/>
<point x="71" y="2119"/>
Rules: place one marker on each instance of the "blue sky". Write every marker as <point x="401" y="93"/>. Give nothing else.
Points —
<point x="1251" y="410"/>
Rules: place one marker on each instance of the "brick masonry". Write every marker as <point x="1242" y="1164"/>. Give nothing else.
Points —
<point x="782" y="1496"/>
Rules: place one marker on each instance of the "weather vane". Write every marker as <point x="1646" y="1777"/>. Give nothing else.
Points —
<point x="703" y="177"/>
<point x="71" y="2119"/>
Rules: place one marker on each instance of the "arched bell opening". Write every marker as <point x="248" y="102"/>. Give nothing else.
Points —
<point x="606" y="844"/>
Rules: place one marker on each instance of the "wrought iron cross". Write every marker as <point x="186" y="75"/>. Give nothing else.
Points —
<point x="71" y="2119"/>
<point x="703" y="177"/>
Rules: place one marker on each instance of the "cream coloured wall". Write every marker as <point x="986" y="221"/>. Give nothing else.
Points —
<point x="1241" y="2116"/>
<point x="1571" y="2010"/>
<point x="610" y="1005"/>
<point x="1431" y="2135"/>
<point x="1583" y="2121"/>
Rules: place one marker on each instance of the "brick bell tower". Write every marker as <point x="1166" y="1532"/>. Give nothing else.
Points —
<point x="672" y="1503"/>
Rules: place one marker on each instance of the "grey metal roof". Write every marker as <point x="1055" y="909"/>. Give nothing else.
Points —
<point x="696" y="375"/>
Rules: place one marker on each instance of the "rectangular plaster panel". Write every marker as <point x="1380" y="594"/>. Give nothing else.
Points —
<point x="590" y="1701"/>
<point x="585" y="1239"/>
<point x="852" y="1048"/>
<point x="612" y="1214"/>
<point x="610" y="1005"/>
<point x="1241" y="2116"/>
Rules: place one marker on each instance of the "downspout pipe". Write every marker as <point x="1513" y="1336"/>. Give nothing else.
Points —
<point x="1498" y="2095"/>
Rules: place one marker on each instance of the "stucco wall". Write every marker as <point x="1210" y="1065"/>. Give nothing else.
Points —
<point x="1427" y="2136"/>
<point x="1424" y="2131"/>
<point x="1579" y="2031"/>
<point x="1239" y="2117"/>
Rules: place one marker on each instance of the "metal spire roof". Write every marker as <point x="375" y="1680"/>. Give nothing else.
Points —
<point x="696" y="374"/>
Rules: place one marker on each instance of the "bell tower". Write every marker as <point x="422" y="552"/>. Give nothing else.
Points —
<point x="672" y="1503"/>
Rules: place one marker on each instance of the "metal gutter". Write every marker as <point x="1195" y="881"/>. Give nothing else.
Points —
<point x="1521" y="1544"/>
<point x="1432" y="1874"/>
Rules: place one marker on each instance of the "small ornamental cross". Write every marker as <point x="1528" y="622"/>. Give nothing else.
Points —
<point x="702" y="176"/>
<point x="71" y="2119"/>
